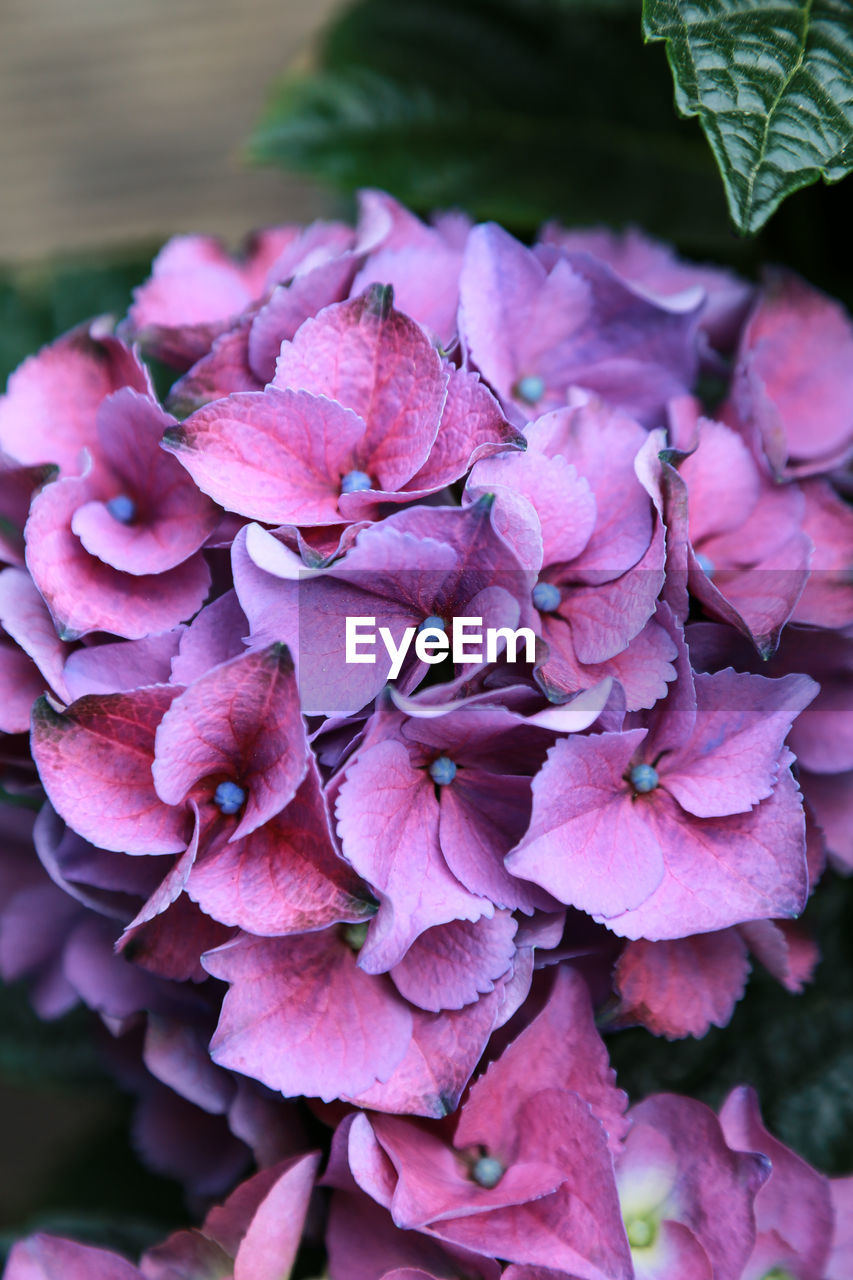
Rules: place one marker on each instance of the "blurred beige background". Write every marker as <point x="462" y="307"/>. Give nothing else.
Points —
<point x="122" y="120"/>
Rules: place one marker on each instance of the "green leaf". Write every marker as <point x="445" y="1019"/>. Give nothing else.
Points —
<point x="518" y="110"/>
<point x="772" y="85"/>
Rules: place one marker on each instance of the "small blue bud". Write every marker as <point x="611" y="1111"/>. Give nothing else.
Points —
<point x="487" y="1172"/>
<point x="546" y="597"/>
<point x="705" y="564"/>
<point x="229" y="797"/>
<point x="442" y="771"/>
<point x="643" y="778"/>
<point x="122" y="508"/>
<point x="530" y="389"/>
<point x="356" y="482"/>
<point x="434" y="622"/>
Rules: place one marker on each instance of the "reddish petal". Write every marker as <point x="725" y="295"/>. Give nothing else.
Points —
<point x="285" y="877"/>
<point x="95" y="762"/>
<point x="242" y="722"/>
<point x="376" y="361"/>
<point x="681" y="988"/>
<point x="303" y="1019"/>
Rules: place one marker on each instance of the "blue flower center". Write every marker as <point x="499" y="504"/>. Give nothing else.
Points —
<point x="705" y="564"/>
<point x="442" y="771"/>
<point x="122" y="508"/>
<point x="433" y="622"/>
<point x="487" y="1172"/>
<point x="643" y="778"/>
<point x="356" y="482"/>
<point x="530" y="389"/>
<point x="546" y="597"/>
<point x="229" y="797"/>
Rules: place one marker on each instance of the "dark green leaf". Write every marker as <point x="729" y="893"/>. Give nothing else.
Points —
<point x="771" y="83"/>
<point x="517" y="110"/>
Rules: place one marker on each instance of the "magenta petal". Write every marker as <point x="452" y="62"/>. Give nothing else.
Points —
<point x="242" y="722"/>
<point x="842" y="1243"/>
<point x="130" y="664"/>
<point x="289" y="305"/>
<point x="95" y="762"/>
<point x="25" y="617"/>
<point x="795" y="1201"/>
<point x="482" y="816"/>
<point x="683" y="987"/>
<point x="537" y="1060"/>
<point x="43" y="1257"/>
<point x="453" y="964"/>
<point x="587" y="844"/>
<point x="83" y="593"/>
<point x="48" y="412"/>
<point x="303" y="1019"/>
<point x="712" y="1188"/>
<point x="731" y="760"/>
<point x="374" y="360"/>
<point x="472" y="427"/>
<point x="269" y="1247"/>
<point x="793" y="377"/>
<point x="785" y="949"/>
<point x="723" y="871"/>
<point x="432" y="1183"/>
<point x="444" y="1051"/>
<point x="21" y="683"/>
<point x="579" y="1226"/>
<point x="215" y="634"/>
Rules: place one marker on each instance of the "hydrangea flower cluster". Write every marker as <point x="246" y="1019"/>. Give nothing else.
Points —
<point x="398" y="883"/>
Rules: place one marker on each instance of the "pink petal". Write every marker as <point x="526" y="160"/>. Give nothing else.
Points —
<point x="215" y="634"/>
<point x="713" y="1188"/>
<point x="130" y="664"/>
<point x="453" y="964"/>
<point x="270" y="1245"/>
<point x="582" y="806"/>
<point x="793" y="377"/>
<point x="388" y="820"/>
<point x="276" y="456"/>
<point x="785" y="950"/>
<point x="723" y="871"/>
<point x="443" y="1053"/>
<point x="731" y="760"/>
<point x="48" y="412"/>
<point x="25" y="617"/>
<point x="536" y="1060"/>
